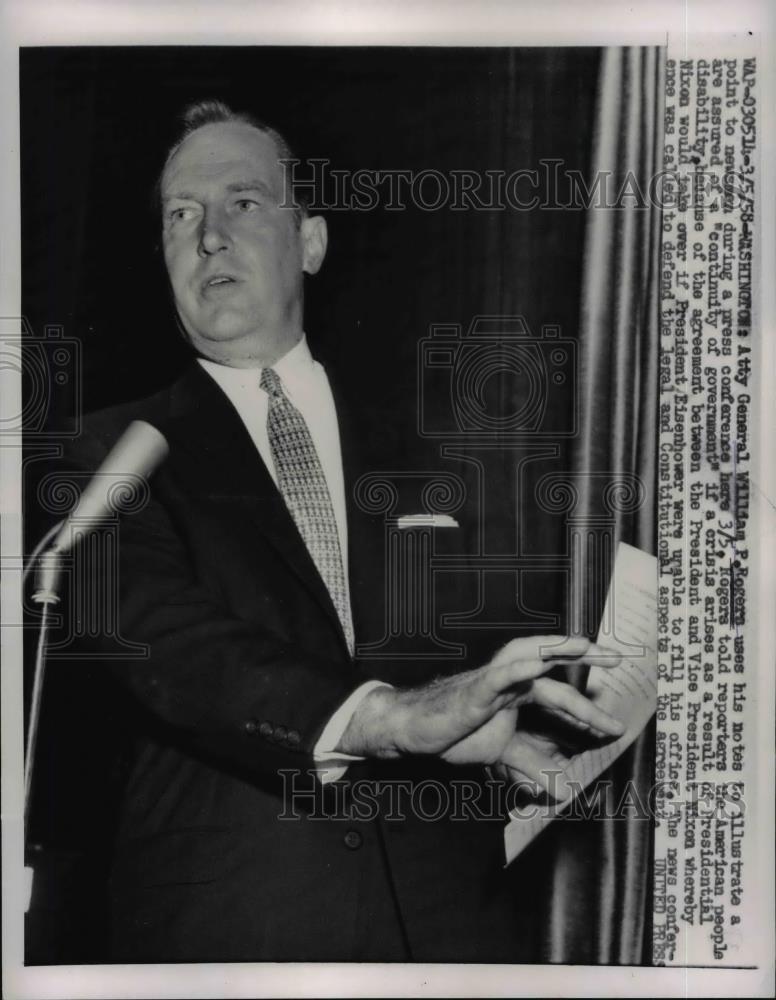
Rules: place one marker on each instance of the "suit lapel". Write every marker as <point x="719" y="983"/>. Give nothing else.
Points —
<point x="216" y="454"/>
<point x="366" y="553"/>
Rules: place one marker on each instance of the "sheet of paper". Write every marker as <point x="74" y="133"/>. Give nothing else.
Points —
<point x="628" y="691"/>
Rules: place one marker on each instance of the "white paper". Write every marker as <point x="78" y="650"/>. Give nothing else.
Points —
<point x="627" y="691"/>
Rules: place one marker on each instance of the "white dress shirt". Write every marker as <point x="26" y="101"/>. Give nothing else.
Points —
<point x="307" y="387"/>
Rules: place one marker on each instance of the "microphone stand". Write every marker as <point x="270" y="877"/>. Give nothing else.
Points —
<point x="136" y="454"/>
<point x="47" y="577"/>
<point x="45" y="595"/>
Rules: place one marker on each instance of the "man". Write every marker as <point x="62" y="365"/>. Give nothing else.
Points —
<point x="241" y="576"/>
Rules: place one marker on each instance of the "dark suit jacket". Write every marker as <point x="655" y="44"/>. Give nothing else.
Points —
<point x="247" y="662"/>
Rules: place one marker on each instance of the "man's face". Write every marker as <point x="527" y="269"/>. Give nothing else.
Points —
<point x="234" y="257"/>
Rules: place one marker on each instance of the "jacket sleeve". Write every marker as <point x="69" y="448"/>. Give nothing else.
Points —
<point x="222" y="686"/>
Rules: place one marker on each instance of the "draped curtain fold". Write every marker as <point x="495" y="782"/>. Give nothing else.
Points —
<point x="609" y="872"/>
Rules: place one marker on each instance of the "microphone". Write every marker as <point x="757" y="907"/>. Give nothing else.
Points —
<point x="139" y="450"/>
<point x="136" y="454"/>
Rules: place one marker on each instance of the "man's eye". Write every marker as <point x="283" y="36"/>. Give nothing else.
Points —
<point x="247" y="205"/>
<point x="180" y="214"/>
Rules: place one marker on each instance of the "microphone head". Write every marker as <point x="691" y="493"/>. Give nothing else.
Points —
<point x="136" y="454"/>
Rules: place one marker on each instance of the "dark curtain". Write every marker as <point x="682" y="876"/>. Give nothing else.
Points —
<point x="95" y="124"/>
<point x="616" y="450"/>
<point x="619" y="331"/>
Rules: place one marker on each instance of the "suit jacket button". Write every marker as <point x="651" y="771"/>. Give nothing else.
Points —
<point x="266" y="730"/>
<point x="353" y="840"/>
<point x="293" y="739"/>
<point x="280" y="734"/>
<point x="251" y="727"/>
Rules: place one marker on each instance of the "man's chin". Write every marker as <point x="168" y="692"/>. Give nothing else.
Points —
<point x="237" y="346"/>
<point x="223" y="330"/>
<point x="228" y="327"/>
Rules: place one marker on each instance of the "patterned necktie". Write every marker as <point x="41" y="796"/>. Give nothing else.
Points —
<point x="303" y="486"/>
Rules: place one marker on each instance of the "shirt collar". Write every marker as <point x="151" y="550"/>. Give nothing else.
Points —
<point x="296" y="365"/>
<point x="294" y="370"/>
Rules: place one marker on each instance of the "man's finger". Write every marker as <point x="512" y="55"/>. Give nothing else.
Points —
<point x="566" y="701"/>
<point x="594" y="656"/>
<point x="536" y="766"/>
<point x="563" y="648"/>
<point x="558" y="647"/>
<point x="537" y="647"/>
<point x="501" y="675"/>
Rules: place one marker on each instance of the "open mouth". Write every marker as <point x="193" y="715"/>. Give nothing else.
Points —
<point x="218" y="281"/>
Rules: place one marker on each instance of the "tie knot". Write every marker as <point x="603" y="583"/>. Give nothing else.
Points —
<point x="270" y="382"/>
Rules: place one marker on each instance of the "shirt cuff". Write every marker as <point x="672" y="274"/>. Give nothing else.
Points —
<point x="331" y="765"/>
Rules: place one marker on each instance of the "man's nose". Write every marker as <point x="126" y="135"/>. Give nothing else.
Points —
<point x="214" y="234"/>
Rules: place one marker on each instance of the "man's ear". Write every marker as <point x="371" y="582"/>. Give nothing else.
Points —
<point x="315" y="238"/>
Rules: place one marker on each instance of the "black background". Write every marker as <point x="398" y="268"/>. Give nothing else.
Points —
<point x="95" y="126"/>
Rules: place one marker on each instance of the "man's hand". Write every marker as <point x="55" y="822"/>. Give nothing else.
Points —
<point x="471" y="718"/>
<point x="536" y="760"/>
